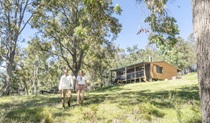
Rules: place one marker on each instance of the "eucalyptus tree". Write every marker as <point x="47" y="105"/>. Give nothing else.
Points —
<point x="35" y="65"/>
<point x="98" y="64"/>
<point x="133" y="58"/>
<point x="202" y="35"/>
<point x="74" y="27"/>
<point x="120" y="58"/>
<point x="182" y="55"/>
<point x="2" y="78"/>
<point x="13" y="21"/>
<point x="163" y="28"/>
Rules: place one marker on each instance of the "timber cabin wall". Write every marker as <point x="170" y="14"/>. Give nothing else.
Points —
<point x="168" y="71"/>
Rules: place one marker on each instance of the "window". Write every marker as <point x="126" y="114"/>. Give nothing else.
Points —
<point x="159" y="69"/>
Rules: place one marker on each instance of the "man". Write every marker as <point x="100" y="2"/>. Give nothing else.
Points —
<point x="65" y="86"/>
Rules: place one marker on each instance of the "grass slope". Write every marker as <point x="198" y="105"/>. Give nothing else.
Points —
<point x="175" y="101"/>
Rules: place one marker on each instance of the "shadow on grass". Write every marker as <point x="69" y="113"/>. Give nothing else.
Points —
<point x="161" y="99"/>
<point x="113" y="88"/>
<point x="24" y="114"/>
<point x="60" y="114"/>
<point x="33" y="102"/>
<point x="32" y="110"/>
<point x="96" y="99"/>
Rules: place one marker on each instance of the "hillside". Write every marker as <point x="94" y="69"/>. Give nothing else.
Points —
<point x="172" y="101"/>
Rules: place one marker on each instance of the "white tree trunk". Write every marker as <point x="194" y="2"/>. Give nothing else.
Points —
<point x="36" y="82"/>
<point x="201" y="23"/>
<point x="8" y="78"/>
<point x="35" y="88"/>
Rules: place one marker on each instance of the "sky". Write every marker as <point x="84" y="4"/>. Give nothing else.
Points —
<point x="132" y="18"/>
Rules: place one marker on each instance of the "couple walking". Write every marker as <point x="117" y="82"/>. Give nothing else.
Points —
<point x="67" y="84"/>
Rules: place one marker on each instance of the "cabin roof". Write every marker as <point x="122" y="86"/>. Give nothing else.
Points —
<point x="141" y="63"/>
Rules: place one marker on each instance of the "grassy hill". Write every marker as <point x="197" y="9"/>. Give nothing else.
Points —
<point x="175" y="101"/>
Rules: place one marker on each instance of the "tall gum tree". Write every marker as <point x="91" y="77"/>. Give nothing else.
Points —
<point x="201" y="23"/>
<point x="13" y="21"/>
<point x="74" y="27"/>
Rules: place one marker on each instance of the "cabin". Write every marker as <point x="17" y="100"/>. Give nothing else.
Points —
<point x="144" y="71"/>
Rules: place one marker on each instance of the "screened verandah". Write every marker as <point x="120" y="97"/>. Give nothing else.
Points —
<point x="132" y="73"/>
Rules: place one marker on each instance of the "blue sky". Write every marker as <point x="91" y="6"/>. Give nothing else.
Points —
<point x="133" y="16"/>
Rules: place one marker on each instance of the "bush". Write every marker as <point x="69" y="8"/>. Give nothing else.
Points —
<point x="47" y="115"/>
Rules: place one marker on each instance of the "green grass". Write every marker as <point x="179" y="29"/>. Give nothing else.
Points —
<point x="175" y="101"/>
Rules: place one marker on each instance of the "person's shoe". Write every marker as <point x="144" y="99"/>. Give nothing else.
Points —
<point x="68" y="104"/>
<point x="63" y="107"/>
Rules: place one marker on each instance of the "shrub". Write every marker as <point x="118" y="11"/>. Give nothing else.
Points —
<point x="47" y="115"/>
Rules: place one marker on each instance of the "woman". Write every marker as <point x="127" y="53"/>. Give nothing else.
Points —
<point x="81" y="85"/>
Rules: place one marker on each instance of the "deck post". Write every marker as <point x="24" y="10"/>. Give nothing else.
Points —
<point x="135" y="74"/>
<point x="126" y="74"/>
<point x="145" y="77"/>
<point x="111" y="77"/>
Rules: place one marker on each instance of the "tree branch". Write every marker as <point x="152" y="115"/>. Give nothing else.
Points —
<point x="3" y="67"/>
<point x="64" y="13"/>
<point x="22" y="16"/>
<point x="59" y="41"/>
<point x="16" y="11"/>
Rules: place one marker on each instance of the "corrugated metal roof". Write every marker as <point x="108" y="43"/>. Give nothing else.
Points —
<point x="129" y="66"/>
<point x="115" y="69"/>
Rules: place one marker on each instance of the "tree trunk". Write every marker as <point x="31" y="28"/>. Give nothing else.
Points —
<point x="201" y="22"/>
<point x="75" y="68"/>
<point x="75" y="57"/>
<point x="35" y="88"/>
<point x="37" y="81"/>
<point x="25" y="86"/>
<point x="8" y="79"/>
<point x="34" y="81"/>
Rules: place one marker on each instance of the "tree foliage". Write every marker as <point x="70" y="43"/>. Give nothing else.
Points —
<point x="182" y="55"/>
<point x="164" y="29"/>
<point x="72" y="28"/>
